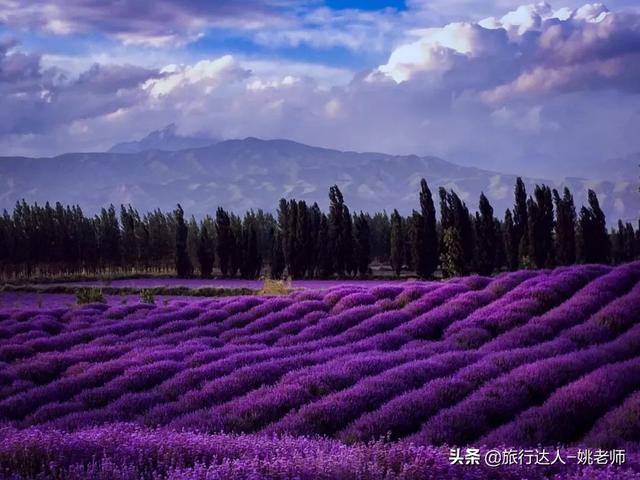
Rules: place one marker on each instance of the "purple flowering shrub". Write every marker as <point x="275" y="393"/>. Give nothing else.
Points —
<point x="243" y="386"/>
<point x="130" y="452"/>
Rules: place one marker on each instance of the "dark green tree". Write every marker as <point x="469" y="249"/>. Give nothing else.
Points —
<point x="380" y="236"/>
<point x="315" y="218"/>
<point x="457" y="243"/>
<point x="417" y="240"/>
<point x="616" y="240"/>
<point x="630" y="251"/>
<point x="428" y="211"/>
<point x="397" y="247"/>
<point x="291" y="256"/>
<point x="193" y="241"/>
<point x="593" y="238"/>
<point x="565" y="229"/>
<point x="129" y="245"/>
<point x="302" y="245"/>
<point x="225" y="245"/>
<point x="108" y="237"/>
<point x="250" y="260"/>
<point x="623" y="248"/>
<point x="183" y="263"/>
<point x="362" y="243"/>
<point x="206" y="252"/>
<point x="486" y="237"/>
<point x="521" y="221"/>
<point x="284" y="227"/>
<point x="143" y="240"/>
<point x="350" y="264"/>
<point x="337" y="241"/>
<point x="540" y="229"/>
<point x="424" y="235"/>
<point x="325" y="260"/>
<point x="277" y="257"/>
<point x="510" y="241"/>
<point x="501" y="255"/>
<point x="236" y="249"/>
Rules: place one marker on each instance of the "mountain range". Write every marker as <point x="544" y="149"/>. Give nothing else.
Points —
<point x="167" y="138"/>
<point x="165" y="169"/>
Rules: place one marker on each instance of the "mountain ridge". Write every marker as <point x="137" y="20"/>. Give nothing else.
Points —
<point x="165" y="139"/>
<point x="240" y="174"/>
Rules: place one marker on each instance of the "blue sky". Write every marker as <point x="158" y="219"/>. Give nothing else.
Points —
<point x="534" y="88"/>
<point x="366" y="5"/>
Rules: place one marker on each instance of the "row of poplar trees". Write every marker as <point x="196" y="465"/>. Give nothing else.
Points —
<point x="540" y="231"/>
<point x="301" y="241"/>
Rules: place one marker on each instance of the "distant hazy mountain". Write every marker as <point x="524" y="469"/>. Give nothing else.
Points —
<point x="252" y="173"/>
<point x="165" y="139"/>
<point x="625" y="168"/>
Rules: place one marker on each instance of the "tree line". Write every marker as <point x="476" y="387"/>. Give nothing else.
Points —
<point x="541" y="230"/>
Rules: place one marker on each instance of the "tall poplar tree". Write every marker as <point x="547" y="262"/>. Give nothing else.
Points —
<point x="417" y="242"/>
<point x="362" y="243"/>
<point x="565" y="229"/>
<point x="337" y="239"/>
<point x="510" y="241"/>
<point x="350" y="265"/>
<point x="225" y="242"/>
<point x="325" y="259"/>
<point x="206" y="252"/>
<point x="277" y="257"/>
<point x="521" y="221"/>
<point x="424" y="235"/>
<point x="486" y="237"/>
<point x="457" y="244"/>
<point x="302" y="242"/>
<point x="183" y="264"/>
<point x="397" y="243"/>
<point x="128" y="245"/>
<point x="540" y="229"/>
<point x="593" y="238"/>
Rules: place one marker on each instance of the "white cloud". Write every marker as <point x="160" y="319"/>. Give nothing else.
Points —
<point x="592" y="12"/>
<point x="525" y="18"/>
<point x="260" y="84"/>
<point x="534" y="49"/>
<point x="333" y="108"/>
<point x="206" y="74"/>
<point x="530" y="119"/>
<point x="498" y="189"/>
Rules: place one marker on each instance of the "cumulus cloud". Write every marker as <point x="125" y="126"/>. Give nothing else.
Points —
<point x="204" y="76"/>
<point x="440" y="50"/>
<point x="536" y="51"/>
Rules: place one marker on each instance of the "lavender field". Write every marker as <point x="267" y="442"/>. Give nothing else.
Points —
<point x="373" y="381"/>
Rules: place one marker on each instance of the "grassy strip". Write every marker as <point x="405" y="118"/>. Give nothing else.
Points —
<point x="156" y="291"/>
<point x="378" y="272"/>
<point x="61" y="278"/>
